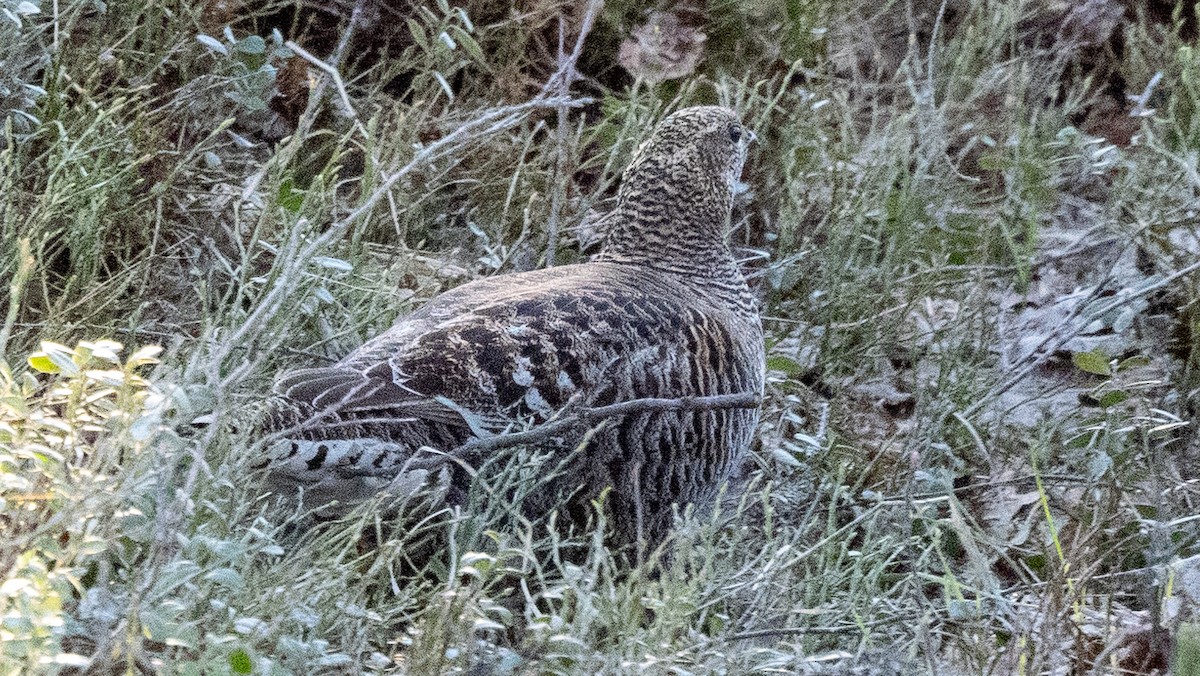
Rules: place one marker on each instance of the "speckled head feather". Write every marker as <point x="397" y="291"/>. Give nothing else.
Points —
<point x="662" y="312"/>
<point x="674" y="203"/>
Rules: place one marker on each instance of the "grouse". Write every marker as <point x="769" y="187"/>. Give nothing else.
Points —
<point x="663" y="312"/>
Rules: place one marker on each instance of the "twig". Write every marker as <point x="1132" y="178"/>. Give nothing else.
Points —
<point x="589" y="416"/>
<point x="979" y="445"/>
<point x="822" y="422"/>
<point x="1141" y="101"/>
<point x="334" y="75"/>
<point x="601" y="413"/>
<point x="1114" y="642"/>
<point x="561" y="83"/>
<point x="1182" y="272"/>
<point x="331" y="69"/>
<point x="800" y="631"/>
<point x="25" y="265"/>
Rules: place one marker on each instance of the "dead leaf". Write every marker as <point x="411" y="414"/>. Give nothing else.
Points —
<point x="662" y="49"/>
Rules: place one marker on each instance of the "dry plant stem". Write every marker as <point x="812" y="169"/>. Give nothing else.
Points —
<point x="590" y="416"/>
<point x="315" y="98"/>
<point x="601" y="413"/>
<point x="16" y="287"/>
<point x="1141" y="102"/>
<point x="800" y="631"/>
<point x="335" y="76"/>
<point x="1114" y="643"/>
<point x="978" y="440"/>
<point x="331" y="68"/>
<point x="930" y="55"/>
<point x="846" y="528"/>
<point x="561" y="83"/>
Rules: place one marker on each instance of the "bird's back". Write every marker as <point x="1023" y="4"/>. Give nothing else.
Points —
<point x="515" y="350"/>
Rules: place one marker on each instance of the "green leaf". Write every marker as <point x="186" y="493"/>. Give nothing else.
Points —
<point x="714" y="625"/>
<point x="995" y="161"/>
<point x="1133" y="363"/>
<point x="1093" y="361"/>
<point x="240" y="662"/>
<point x="787" y="365"/>
<point x="1036" y="563"/>
<point x="418" y="33"/>
<point x="59" y="356"/>
<point x="290" y="197"/>
<point x="1112" y="398"/>
<point x="252" y="44"/>
<point x="42" y="363"/>
<point x="468" y="43"/>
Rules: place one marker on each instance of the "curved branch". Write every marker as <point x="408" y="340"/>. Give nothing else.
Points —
<point x="587" y="416"/>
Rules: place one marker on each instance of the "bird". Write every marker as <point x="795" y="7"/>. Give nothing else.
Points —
<point x="663" y="311"/>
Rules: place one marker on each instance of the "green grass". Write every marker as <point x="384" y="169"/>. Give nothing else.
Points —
<point x="903" y="511"/>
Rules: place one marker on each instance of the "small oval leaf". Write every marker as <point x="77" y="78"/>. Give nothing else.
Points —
<point x="1093" y="361"/>
<point x="41" y="363"/>
<point x="252" y="44"/>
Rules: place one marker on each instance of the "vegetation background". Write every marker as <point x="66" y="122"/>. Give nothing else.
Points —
<point x="973" y="224"/>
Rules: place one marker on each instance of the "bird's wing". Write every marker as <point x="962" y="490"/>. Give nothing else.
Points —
<point x="327" y="396"/>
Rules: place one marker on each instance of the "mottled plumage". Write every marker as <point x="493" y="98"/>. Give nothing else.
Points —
<point x="662" y="311"/>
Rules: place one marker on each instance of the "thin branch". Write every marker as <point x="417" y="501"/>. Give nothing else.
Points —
<point x="1141" y="102"/>
<point x="561" y="83"/>
<point x="602" y="413"/>
<point x="316" y="98"/>
<point x="588" y="416"/>
<point x="25" y="266"/>
<point x="334" y="75"/>
<point x="801" y="631"/>
<point x="331" y="68"/>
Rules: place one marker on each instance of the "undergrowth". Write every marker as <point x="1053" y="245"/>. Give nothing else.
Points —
<point x="976" y="453"/>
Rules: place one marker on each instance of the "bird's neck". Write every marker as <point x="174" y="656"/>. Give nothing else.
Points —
<point x="680" y="230"/>
<point x="672" y="225"/>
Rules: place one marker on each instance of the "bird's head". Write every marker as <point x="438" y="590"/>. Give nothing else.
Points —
<point x="699" y="148"/>
<point x="677" y="196"/>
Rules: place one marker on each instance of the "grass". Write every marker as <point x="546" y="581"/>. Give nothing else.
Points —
<point x="976" y="453"/>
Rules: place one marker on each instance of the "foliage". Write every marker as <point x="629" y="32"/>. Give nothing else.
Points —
<point x="68" y="440"/>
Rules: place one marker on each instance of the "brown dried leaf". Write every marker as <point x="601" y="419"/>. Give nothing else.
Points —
<point x="1092" y="22"/>
<point x="662" y="49"/>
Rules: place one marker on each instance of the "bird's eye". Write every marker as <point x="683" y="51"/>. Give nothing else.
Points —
<point x="735" y="134"/>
